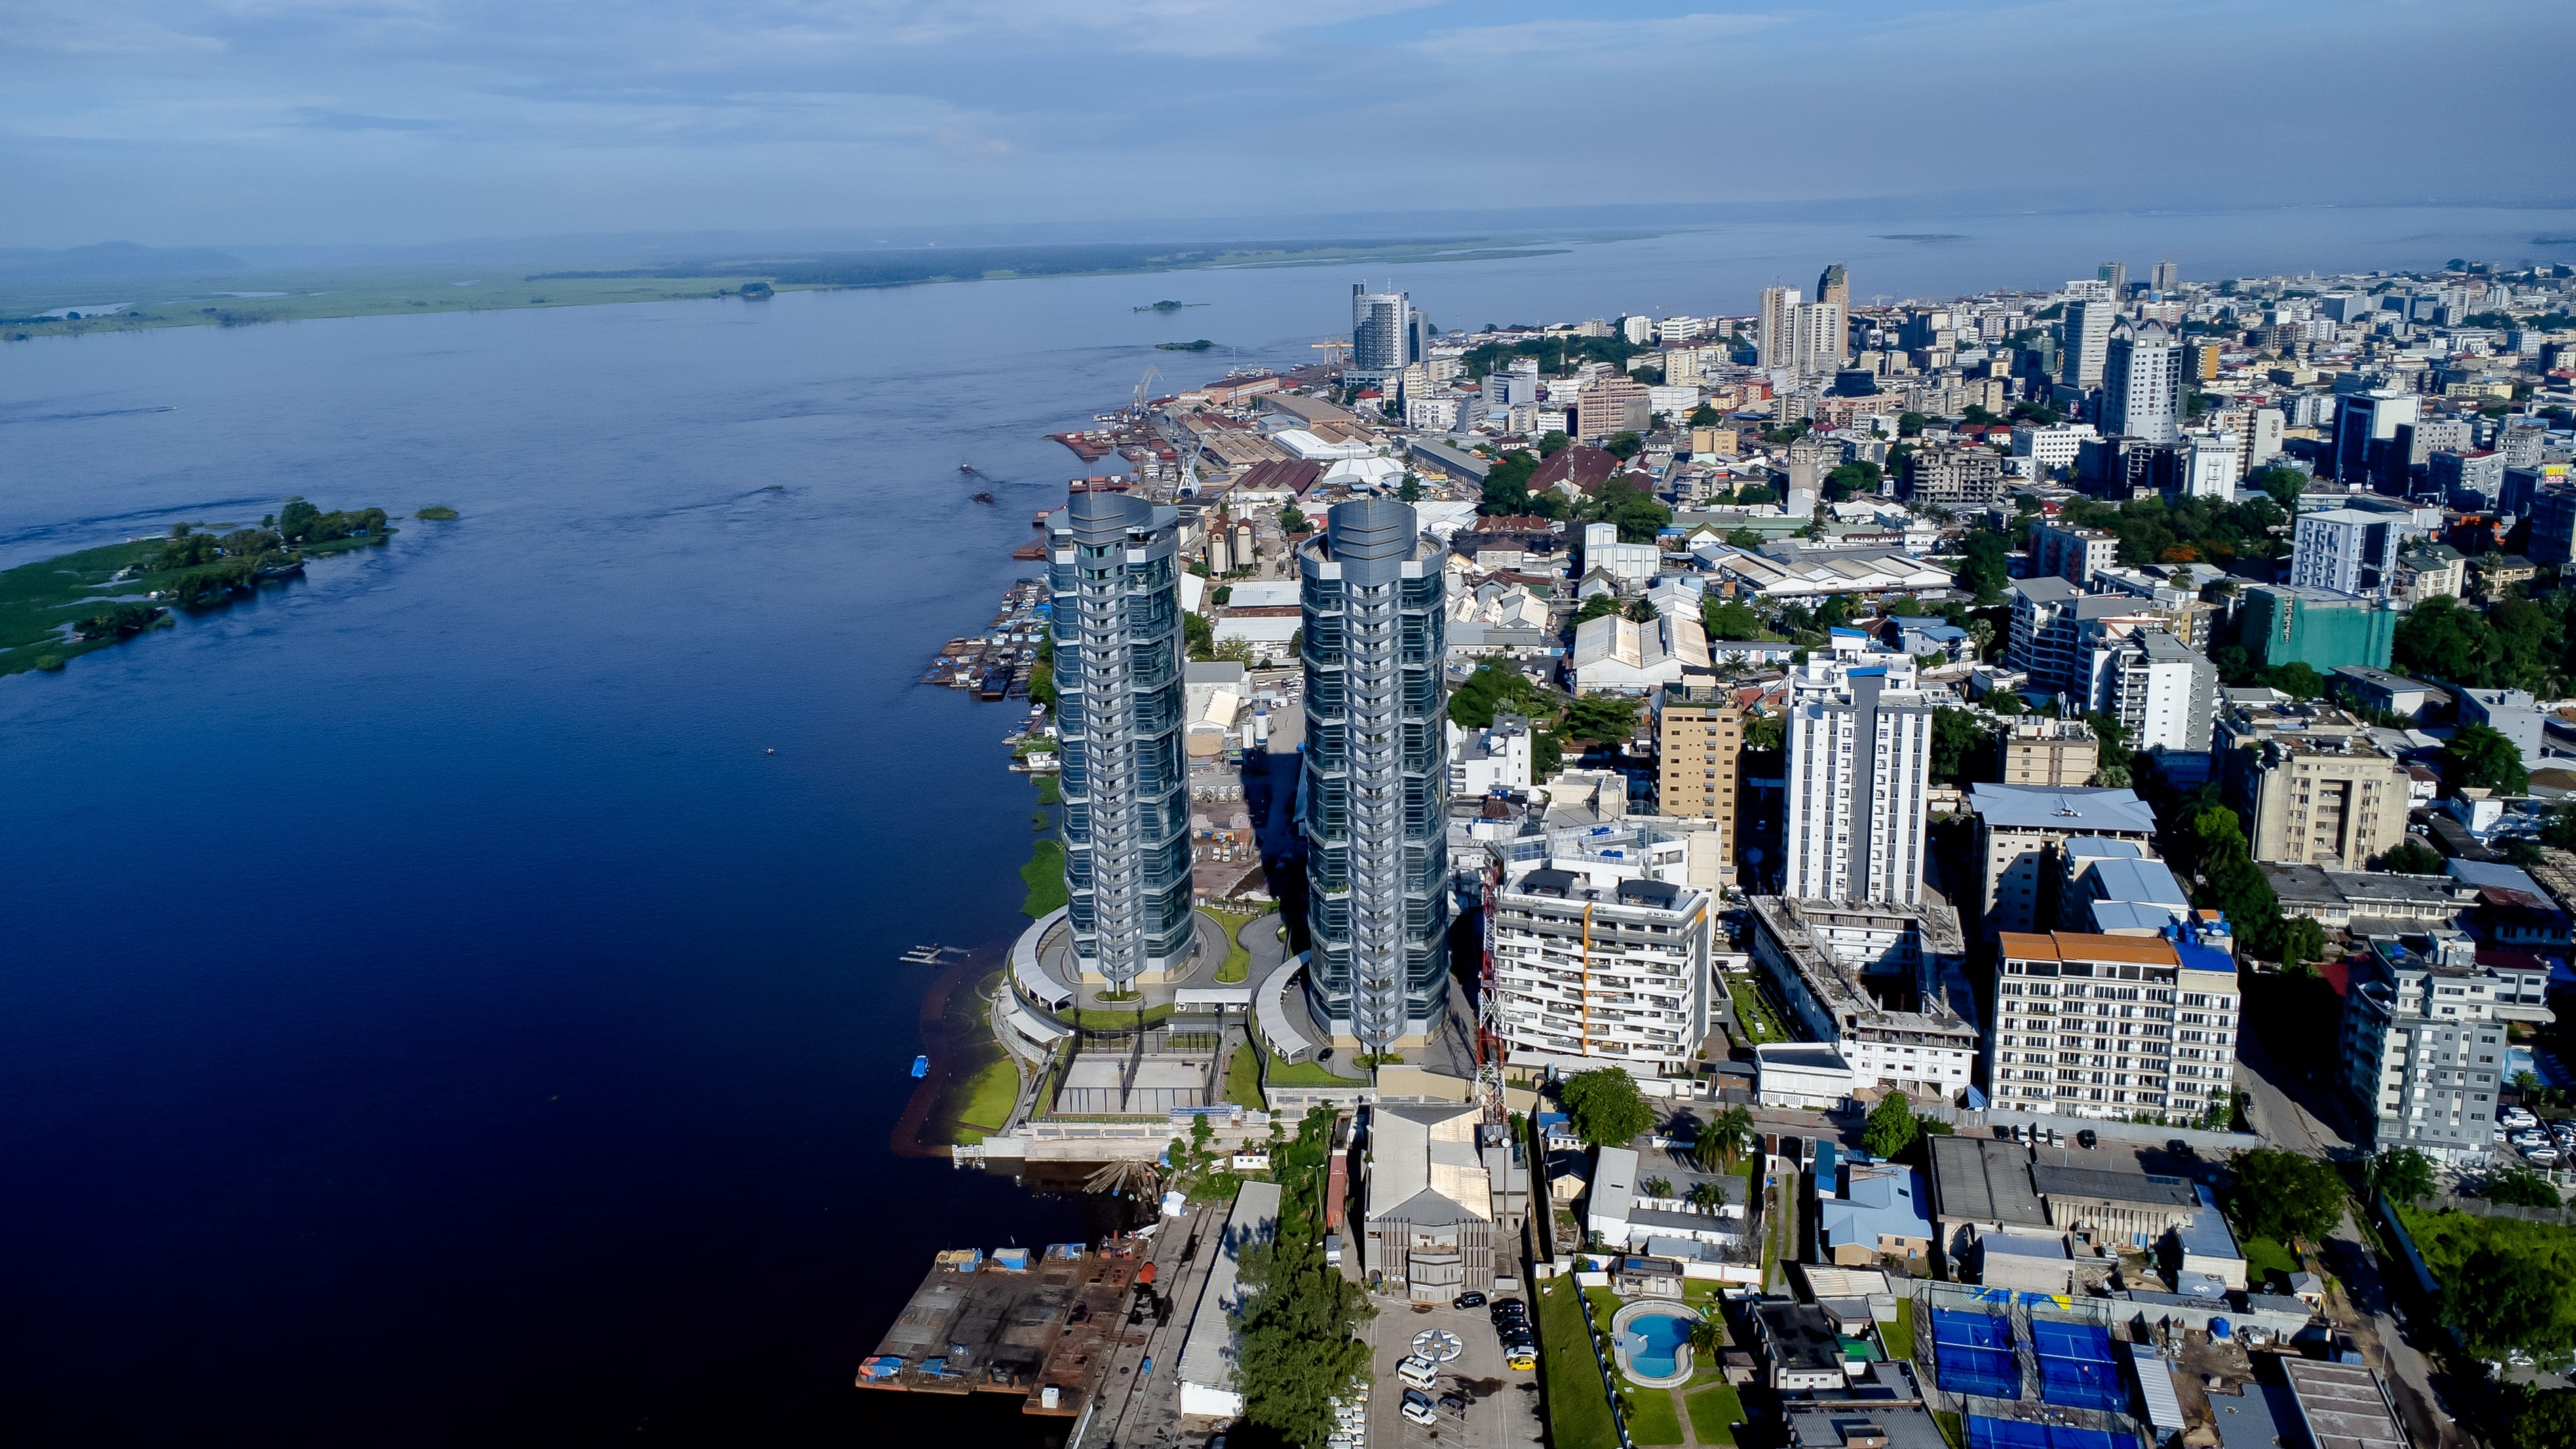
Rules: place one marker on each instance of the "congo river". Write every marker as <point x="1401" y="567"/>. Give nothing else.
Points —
<point x="428" y="1013"/>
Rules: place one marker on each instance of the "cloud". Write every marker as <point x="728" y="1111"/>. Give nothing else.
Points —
<point x="93" y="30"/>
<point x="320" y="118"/>
<point x="1642" y="38"/>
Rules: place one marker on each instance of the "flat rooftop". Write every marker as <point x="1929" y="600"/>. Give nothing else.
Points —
<point x="1980" y="1180"/>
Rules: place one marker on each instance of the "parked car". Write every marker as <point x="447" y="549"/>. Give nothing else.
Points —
<point x="1521" y="1357"/>
<point x="1468" y="1300"/>
<point x="2542" y="1155"/>
<point x="1420" y="1413"/>
<point x="1455" y="1403"/>
<point x="2087" y="1139"/>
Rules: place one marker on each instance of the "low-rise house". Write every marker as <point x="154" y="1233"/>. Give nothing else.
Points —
<point x="1881" y="1212"/>
<point x="1430" y="1200"/>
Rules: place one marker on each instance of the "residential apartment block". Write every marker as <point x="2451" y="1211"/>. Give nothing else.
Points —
<point x="2019" y="831"/>
<point x="1883" y="984"/>
<point x="2063" y="550"/>
<point x="2334" y="803"/>
<point x="2423" y="1048"/>
<point x="1699" y="742"/>
<point x="1859" y="767"/>
<point x="2113" y="1026"/>
<point x="1953" y="476"/>
<point x="2048" y="752"/>
<point x="1596" y="966"/>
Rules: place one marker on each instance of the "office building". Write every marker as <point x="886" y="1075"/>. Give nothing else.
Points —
<point x="1387" y="336"/>
<point x="1859" y="764"/>
<point x="2466" y="479"/>
<point x="1114" y="571"/>
<point x="2114" y="1026"/>
<point x="1771" y="337"/>
<point x="2020" y="829"/>
<point x="1834" y="285"/>
<point x="1699" y="738"/>
<point x="1376" y="783"/>
<point x="2088" y="341"/>
<point x="2052" y="446"/>
<point x="1608" y="406"/>
<point x="2048" y="752"/>
<point x="2115" y="275"/>
<point x="2365" y="437"/>
<point x="2141" y="383"/>
<point x="1956" y="476"/>
<point x="1882" y="984"/>
<point x="2324" y="629"/>
<point x="2165" y="278"/>
<point x="2211" y="465"/>
<point x="1816" y="338"/>
<point x="2263" y="436"/>
<point x="2424" y="1051"/>
<point x="2329" y="800"/>
<point x="2069" y="552"/>
<point x="1595" y="964"/>
<point x="1430" y="1216"/>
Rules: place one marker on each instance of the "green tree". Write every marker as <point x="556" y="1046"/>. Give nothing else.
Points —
<point x="1986" y="568"/>
<point x="1851" y="478"/>
<point x="2500" y="1301"/>
<point x="2545" y="1421"/>
<point x="2412" y="857"/>
<point x="1623" y="446"/>
<point x="1410" y="491"/>
<point x="1726" y="619"/>
<point x="1705" y="416"/>
<point x="2403" y="1173"/>
<point x="1891" y="1128"/>
<point x="1292" y="521"/>
<point x="1495" y="686"/>
<point x="2296" y="680"/>
<point x="1598" y="606"/>
<point x="1299" y="1317"/>
<point x="1605" y="1108"/>
<point x="1910" y="424"/>
<point x="1553" y="442"/>
<point x="1766" y="732"/>
<point x="1958" y="744"/>
<point x="1200" y="634"/>
<point x="295" y="518"/>
<point x="1602" y="717"/>
<point x="2297" y="940"/>
<point x="1745" y="539"/>
<point x="2285" y="1195"/>
<point x="1723" y="1140"/>
<point x="2234" y="884"/>
<point x="2520" y="1187"/>
<point x="1507" y="484"/>
<point x="1642" y="611"/>
<point x="2480" y="756"/>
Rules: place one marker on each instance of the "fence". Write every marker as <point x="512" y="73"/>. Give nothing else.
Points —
<point x="2478" y="1207"/>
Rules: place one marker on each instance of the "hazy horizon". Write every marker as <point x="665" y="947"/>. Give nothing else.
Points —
<point x="433" y="122"/>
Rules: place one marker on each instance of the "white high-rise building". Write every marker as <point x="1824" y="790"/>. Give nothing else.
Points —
<point x="1601" y="954"/>
<point x="2163" y="690"/>
<point x="2142" y="383"/>
<point x="1860" y="763"/>
<point x="2088" y="336"/>
<point x="1386" y="336"/>
<point x="1815" y="339"/>
<point x="2212" y="464"/>
<point x="1771" y="341"/>
<point x="2349" y="550"/>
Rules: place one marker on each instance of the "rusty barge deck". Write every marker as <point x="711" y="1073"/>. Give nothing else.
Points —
<point x="999" y="1330"/>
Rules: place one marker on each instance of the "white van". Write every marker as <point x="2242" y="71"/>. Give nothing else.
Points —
<point x="1417" y="1373"/>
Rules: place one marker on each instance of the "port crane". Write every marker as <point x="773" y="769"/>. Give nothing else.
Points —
<point x="1334" y="349"/>
<point x="1152" y="375"/>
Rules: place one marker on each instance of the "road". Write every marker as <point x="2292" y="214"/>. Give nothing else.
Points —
<point x="2366" y="1309"/>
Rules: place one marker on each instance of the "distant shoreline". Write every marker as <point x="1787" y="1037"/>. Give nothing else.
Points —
<point x="305" y="294"/>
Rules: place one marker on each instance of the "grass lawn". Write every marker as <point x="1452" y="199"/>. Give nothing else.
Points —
<point x="1117" y="1018"/>
<point x="1302" y="1074"/>
<point x="1044" y="875"/>
<point x="1578" y="1412"/>
<point x="1750" y="1013"/>
<point x="2263" y="1257"/>
<point x="985" y="1098"/>
<point x="1651" y="1419"/>
<point x="1048" y="794"/>
<point x="1243" y="1080"/>
<point x="1238" y="961"/>
<point x="1899" y="1335"/>
<point x="38" y="599"/>
<point x="1714" y="1413"/>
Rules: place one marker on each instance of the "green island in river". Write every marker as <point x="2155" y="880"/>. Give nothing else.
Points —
<point x="56" y="608"/>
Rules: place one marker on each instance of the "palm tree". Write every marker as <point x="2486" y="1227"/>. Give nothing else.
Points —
<point x="1707" y="1196"/>
<point x="1706" y="1336"/>
<point x="1724" y="1140"/>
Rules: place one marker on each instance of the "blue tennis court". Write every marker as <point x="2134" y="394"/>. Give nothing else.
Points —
<point x="1985" y="1433"/>
<point x="2076" y="1368"/>
<point x="1972" y="1354"/>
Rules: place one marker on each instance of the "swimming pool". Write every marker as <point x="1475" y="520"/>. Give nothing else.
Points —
<point x="1652" y="1339"/>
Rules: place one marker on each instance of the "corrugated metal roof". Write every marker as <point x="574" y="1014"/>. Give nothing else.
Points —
<point x="2155" y="1384"/>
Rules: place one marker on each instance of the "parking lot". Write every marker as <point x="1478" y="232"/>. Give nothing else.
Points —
<point x="2541" y="1144"/>
<point x="1502" y="1410"/>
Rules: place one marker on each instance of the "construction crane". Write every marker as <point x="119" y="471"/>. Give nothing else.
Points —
<point x="1334" y="349"/>
<point x="1152" y="375"/>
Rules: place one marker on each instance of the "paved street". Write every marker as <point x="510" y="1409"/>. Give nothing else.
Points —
<point x="1503" y="1407"/>
<point x="2294" y="1122"/>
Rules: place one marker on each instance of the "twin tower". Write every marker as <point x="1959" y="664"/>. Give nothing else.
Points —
<point x="1372" y="795"/>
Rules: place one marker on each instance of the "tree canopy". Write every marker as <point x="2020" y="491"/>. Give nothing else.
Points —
<point x="2283" y="1195"/>
<point x="1601" y="717"/>
<point x="1727" y="619"/>
<point x="1299" y="1317"/>
<point x="1891" y="1128"/>
<point x="1498" y="686"/>
<point x="2412" y="857"/>
<point x="1959" y="743"/>
<point x="1723" y="1140"/>
<point x="2403" y="1173"/>
<point x="1604" y="1107"/>
<point x="2516" y="644"/>
<point x="2481" y="757"/>
<point x="2499" y="1301"/>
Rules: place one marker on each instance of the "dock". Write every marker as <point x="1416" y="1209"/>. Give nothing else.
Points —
<point x="1005" y="653"/>
<point x="1010" y="1322"/>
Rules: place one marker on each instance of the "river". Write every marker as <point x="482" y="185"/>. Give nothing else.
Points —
<point x="429" y="1013"/>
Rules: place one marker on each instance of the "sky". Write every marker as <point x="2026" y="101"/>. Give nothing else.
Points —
<point x="204" y="122"/>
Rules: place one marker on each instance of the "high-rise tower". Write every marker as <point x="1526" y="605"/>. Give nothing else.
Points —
<point x="1121" y="706"/>
<point x="1860" y="762"/>
<point x="2141" y="383"/>
<point x="1834" y="286"/>
<point x="1771" y="339"/>
<point x="2088" y="332"/>
<point x="1374" y="803"/>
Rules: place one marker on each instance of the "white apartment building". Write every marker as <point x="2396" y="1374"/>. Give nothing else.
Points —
<point x="1633" y="564"/>
<point x="2349" y="550"/>
<point x="2141" y="383"/>
<point x="1595" y="965"/>
<point x="1860" y="764"/>
<point x="2114" y="1026"/>
<point x="1484" y="761"/>
<point x="2088" y="339"/>
<point x="1816" y="337"/>
<point x="2423" y="1048"/>
<point x="2065" y="551"/>
<point x="1837" y="967"/>
<point x="2052" y="446"/>
<point x="1771" y="327"/>
<point x="2163" y="690"/>
<point x="2212" y="463"/>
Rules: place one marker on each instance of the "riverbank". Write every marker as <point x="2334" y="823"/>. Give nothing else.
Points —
<point x="37" y="307"/>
